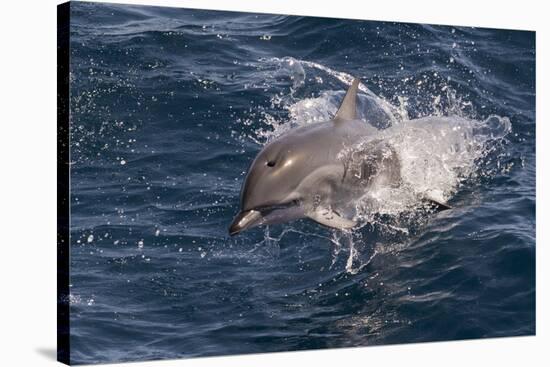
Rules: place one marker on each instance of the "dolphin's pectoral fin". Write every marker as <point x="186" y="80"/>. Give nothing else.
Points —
<point x="438" y="204"/>
<point x="330" y="218"/>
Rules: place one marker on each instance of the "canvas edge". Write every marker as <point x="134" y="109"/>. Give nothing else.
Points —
<point x="63" y="184"/>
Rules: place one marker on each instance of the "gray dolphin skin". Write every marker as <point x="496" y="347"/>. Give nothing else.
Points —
<point x="305" y="173"/>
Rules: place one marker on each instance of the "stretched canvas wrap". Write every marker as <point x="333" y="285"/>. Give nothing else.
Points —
<point x="235" y="183"/>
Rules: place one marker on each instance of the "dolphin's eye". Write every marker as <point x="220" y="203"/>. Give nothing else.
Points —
<point x="270" y="163"/>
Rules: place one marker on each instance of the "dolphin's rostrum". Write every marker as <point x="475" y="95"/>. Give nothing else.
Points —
<point x="306" y="172"/>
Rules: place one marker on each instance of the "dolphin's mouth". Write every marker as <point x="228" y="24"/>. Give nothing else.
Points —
<point x="264" y="215"/>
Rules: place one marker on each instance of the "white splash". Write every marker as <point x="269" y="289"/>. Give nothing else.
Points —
<point x="437" y="156"/>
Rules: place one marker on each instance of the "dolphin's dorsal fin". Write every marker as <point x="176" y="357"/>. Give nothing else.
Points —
<point x="348" y="108"/>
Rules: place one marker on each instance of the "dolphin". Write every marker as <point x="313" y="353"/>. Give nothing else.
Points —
<point x="311" y="172"/>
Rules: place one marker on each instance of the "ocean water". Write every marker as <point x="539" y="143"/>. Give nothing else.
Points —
<point x="170" y="106"/>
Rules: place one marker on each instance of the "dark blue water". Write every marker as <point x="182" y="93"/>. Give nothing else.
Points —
<point x="169" y="107"/>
